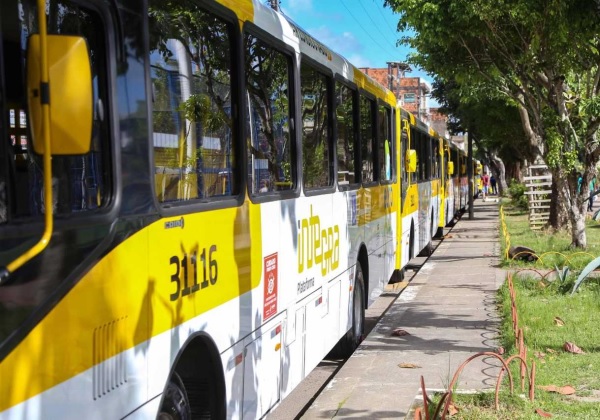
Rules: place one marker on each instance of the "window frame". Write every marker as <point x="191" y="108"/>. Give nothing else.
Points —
<point x="355" y="134"/>
<point x="429" y="162"/>
<point x="456" y="161"/>
<point x="293" y="87"/>
<point x="391" y="134"/>
<point x="436" y="162"/>
<point x="374" y="143"/>
<point x="331" y="126"/>
<point x="410" y="94"/>
<point x="415" y="144"/>
<point x="178" y="208"/>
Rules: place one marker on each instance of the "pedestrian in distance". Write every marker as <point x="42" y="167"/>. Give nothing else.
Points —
<point x="494" y="186"/>
<point x="485" y="180"/>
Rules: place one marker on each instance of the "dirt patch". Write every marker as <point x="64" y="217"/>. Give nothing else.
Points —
<point x="594" y="397"/>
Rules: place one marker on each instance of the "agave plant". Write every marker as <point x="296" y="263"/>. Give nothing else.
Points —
<point x="562" y="274"/>
<point x="585" y="273"/>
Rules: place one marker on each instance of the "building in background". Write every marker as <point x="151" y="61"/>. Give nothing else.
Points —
<point x="411" y="92"/>
<point x="439" y="122"/>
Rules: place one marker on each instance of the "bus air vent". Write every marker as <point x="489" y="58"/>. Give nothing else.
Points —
<point x="110" y="368"/>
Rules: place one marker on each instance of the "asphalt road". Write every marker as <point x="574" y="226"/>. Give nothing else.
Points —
<point x="295" y="404"/>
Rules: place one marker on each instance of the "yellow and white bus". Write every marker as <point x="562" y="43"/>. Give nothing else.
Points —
<point x="421" y="188"/>
<point x="459" y="181"/>
<point x="198" y="200"/>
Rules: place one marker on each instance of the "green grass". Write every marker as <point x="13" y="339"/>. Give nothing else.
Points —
<point x="538" y="303"/>
<point x="549" y="245"/>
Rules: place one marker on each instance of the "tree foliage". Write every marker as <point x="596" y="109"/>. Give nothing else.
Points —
<point x="492" y="122"/>
<point x="543" y="55"/>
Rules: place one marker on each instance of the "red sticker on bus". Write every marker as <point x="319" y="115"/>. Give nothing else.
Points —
<point x="270" y="270"/>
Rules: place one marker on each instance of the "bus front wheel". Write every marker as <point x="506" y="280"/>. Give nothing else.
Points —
<point x="350" y="341"/>
<point x="175" y="405"/>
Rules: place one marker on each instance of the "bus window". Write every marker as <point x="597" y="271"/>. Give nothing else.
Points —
<point x="80" y="183"/>
<point x="415" y="145"/>
<point x="193" y="140"/>
<point x="346" y="150"/>
<point x="367" y="136"/>
<point x="425" y="167"/>
<point x="456" y="161"/>
<point x="436" y="159"/>
<point x="386" y="155"/>
<point x="315" y="129"/>
<point x="430" y="156"/>
<point x="270" y="164"/>
<point x="403" y="151"/>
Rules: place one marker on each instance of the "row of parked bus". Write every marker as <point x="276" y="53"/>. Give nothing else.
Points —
<point x="198" y="201"/>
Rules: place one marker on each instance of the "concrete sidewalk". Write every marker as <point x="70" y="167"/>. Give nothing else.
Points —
<point x="449" y="311"/>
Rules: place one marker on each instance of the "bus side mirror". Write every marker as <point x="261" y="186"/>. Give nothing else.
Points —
<point x="411" y="161"/>
<point x="450" y="168"/>
<point x="70" y="95"/>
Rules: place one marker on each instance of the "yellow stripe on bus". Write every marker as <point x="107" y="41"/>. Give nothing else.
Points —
<point x="435" y="187"/>
<point x="411" y="203"/>
<point x="133" y="286"/>
<point x="366" y="83"/>
<point x="244" y="9"/>
<point x="374" y="203"/>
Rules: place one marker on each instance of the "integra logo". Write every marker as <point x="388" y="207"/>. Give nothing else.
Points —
<point x="317" y="246"/>
<point x="174" y="224"/>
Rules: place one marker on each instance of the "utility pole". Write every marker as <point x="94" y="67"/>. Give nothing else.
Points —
<point x="401" y="68"/>
<point x="274" y="4"/>
<point x="470" y="174"/>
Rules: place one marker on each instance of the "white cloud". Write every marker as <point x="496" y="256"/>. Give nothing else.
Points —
<point x="296" y="8"/>
<point x="359" y="61"/>
<point x="344" y="43"/>
<point x="300" y="5"/>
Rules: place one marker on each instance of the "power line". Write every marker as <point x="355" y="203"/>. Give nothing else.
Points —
<point x="379" y="9"/>
<point x="365" y="31"/>
<point x="375" y="25"/>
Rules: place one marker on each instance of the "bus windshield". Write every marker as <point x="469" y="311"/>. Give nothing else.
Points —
<point x="80" y="183"/>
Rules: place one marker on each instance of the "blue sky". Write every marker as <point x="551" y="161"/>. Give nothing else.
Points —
<point x="363" y="31"/>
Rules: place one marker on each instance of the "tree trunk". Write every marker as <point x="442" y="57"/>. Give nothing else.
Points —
<point x="578" y="234"/>
<point x="499" y="172"/>
<point x="559" y="209"/>
<point x="570" y="208"/>
<point x="513" y="171"/>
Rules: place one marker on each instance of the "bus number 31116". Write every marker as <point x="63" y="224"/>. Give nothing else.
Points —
<point x="209" y="273"/>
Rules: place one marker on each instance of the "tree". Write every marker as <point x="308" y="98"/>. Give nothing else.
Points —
<point x="493" y="124"/>
<point x="541" y="54"/>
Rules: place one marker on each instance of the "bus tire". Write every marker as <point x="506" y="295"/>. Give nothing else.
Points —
<point x="397" y="276"/>
<point x="428" y="250"/>
<point x="350" y="341"/>
<point x="175" y="403"/>
<point x="411" y="243"/>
